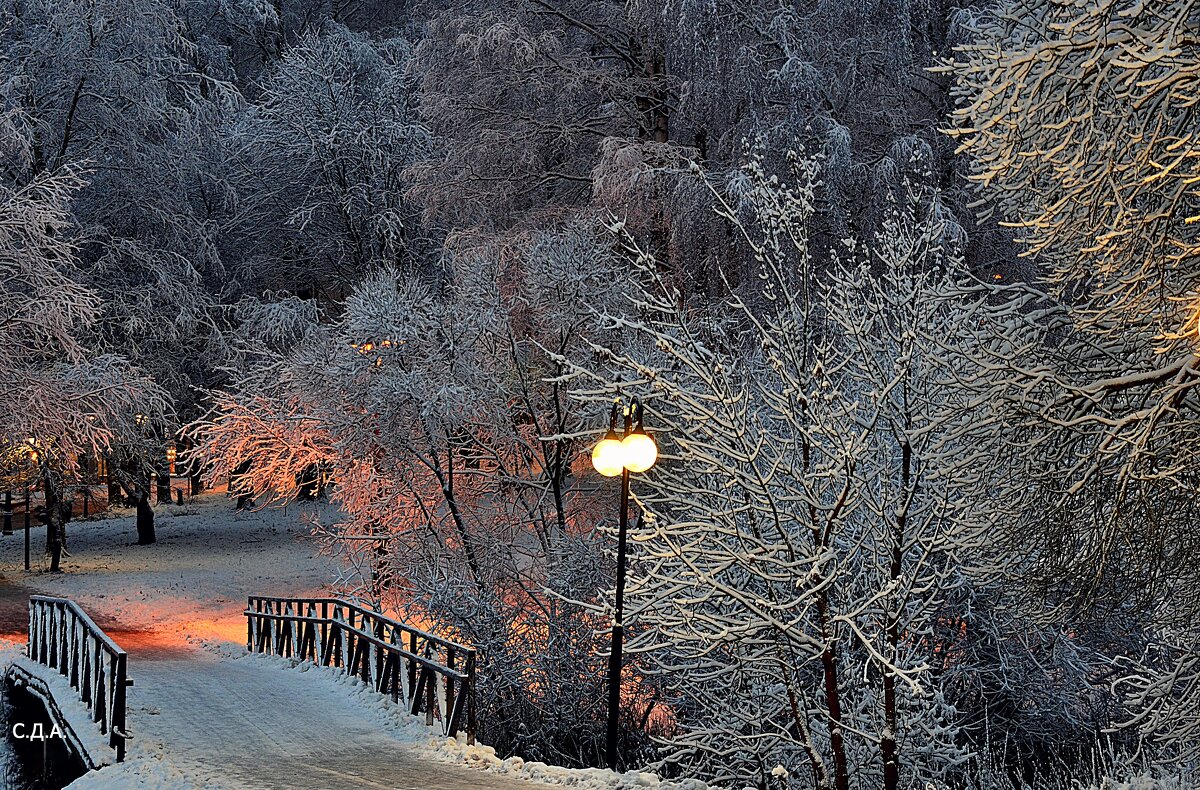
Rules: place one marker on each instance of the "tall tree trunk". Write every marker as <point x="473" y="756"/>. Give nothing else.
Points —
<point x="145" y="517"/>
<point x="888" y="747"/>
<point x="833" y="698"/>
<point x="829" y="656"/>
<point x="58" y="511"/>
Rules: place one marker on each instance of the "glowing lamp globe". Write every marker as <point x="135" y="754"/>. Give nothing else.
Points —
<point x="639" y="451"/>
<point x="607" y="456"/>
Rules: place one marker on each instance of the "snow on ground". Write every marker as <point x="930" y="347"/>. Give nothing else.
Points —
<point x="208" y="558"/>
<point x="434" y="746"/>
<point x="204" y="714"/>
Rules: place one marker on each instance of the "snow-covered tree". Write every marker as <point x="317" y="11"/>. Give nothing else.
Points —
<point x="1078" y="120"/>
<point x="437" y="419"/>
<point x="324" y="149"/>
<point x="118" y="88"/>
<point x="816" y="501"/>
<point x="60" y="399"/>
<point x="549" y="106"/>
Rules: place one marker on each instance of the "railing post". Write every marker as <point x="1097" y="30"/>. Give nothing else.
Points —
<point x="100" y="698"/>
<point x="470" y="690"/>
<point x="448" y="716"/>
<point x="55" y="619"/>
<point x="76" y="630"/>
<point x="117" y="728"/>
<point x="379" y="651"/>
<point x="430" y="694"/>
<point x="324" y="629"/>
<point x="410" y="698"/>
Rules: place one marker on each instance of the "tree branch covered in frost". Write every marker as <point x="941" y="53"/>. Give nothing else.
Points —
<point x="59" y="399"/>
<point x="1079" y="120"/>
<point x="817" y="496"/>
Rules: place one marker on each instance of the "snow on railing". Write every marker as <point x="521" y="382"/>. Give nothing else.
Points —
<point x="63" y="638"/>
<point x="431" y="675"/>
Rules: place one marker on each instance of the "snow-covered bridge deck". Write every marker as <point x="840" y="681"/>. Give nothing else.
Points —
<point x="256" y="722"/>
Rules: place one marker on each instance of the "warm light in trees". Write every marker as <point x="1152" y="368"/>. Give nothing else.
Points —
<point x="608" y="455"/>
<point x="639" y="452"/>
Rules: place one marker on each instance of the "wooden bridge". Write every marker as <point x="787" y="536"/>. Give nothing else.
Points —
<point x="200" y="707"/>
<point x="404" y="662"/>
<point x="64" y="640"/>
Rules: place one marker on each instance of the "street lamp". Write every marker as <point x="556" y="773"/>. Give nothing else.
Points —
<point x="632" y="451"/>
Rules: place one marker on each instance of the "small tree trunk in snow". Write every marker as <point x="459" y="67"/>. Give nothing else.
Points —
<point x="145" y="517"/>
<point x="833" y="699"/>
<point x="138" y="488"/>
<point x="58" y="512"/>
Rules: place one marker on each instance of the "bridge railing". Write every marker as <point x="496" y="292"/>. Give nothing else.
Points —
<point x="63" y="638"/>
<point x="428" y="674"/>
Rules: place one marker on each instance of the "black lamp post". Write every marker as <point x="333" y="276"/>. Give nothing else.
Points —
<point x="632" y="451"/>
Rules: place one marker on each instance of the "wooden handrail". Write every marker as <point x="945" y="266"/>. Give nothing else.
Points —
<point x="63" y="638"/>
<point x="371" y="612"/>
<point x="432" y="675"/>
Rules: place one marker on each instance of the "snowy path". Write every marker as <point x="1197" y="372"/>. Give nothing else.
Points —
<point x="249" y="723"/>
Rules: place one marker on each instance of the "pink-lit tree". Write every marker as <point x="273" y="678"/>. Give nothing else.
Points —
<point x="457" y="459"/>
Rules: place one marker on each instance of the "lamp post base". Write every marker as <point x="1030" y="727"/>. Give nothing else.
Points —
<point x="614" y="695"/>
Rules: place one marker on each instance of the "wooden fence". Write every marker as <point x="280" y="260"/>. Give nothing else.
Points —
<point x="428" y="674"/>
<point x="63" y="638"/>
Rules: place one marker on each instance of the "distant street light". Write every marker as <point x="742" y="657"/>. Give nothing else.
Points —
<point x="633" y="451"/>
